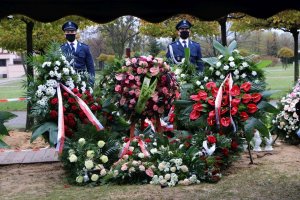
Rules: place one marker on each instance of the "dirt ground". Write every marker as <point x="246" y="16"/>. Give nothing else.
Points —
<point x="38" y="178"/>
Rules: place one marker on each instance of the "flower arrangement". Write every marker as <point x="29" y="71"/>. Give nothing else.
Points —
<point x="87" y="162"/>
<point x="145" y="87"/>
<point x="54" y="73"/>
<point x="286" y="122"/>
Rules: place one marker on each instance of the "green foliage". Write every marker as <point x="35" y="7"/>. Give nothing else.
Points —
<point x="49" y="130"/>
<point x="4" y="117"/>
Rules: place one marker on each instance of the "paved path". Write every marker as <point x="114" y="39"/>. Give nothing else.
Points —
<point x="18" y="122"/>
<point x="28" y="156"/>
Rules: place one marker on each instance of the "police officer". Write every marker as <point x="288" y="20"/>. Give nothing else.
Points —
<point x="77" y="51"/>
<point x="176" y="49"/>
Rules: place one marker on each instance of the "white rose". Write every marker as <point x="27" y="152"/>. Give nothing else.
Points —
<point x="198" y="82"/>
<point x="79" y="179"/>
<point x="95" y="177"/>
<point x="173" y="169"/>
<point x="131" y="148"/>
<point x="73" y="158"/>
<point x="220" y="56"/>
<point x="226" y="67"/>
<point x="153" y="151"/>
<point x="245" y="64"/>
<point x="218" y="73"/>
<point x="178" y="71"/>
<point x="236" y="72"/>
<point x="182" y="75"/>
<point x="81" y="141"/>
<point x="232" y="64"/>
<point x="184" y="168"/>
<point x="104" y="158"/>
<point x="205" y="78"/>
<point x="222" y="76"/>
<point x="243" y="75"/>
<point x="125" y="157"/>
<point x="142" y="168"/>
<point x="167" y="177"/>
<point x="211" y="68"/>
<point x="218" y="64"/>
<point x="89" y="164"/>
<point x="101" y="143"/>
<point x="141" y="155"/>
<point x="254" y="73"/>
<point x="90" y="153"/>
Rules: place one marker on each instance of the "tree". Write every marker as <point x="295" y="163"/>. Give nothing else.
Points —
<point x="120" y="32"/>
<point x="288" y="21"/>
<point x="154" y="47"/>
<point x="22" y="34"/>
<point x="167" y="27"/>
<point x="285" y="54"/>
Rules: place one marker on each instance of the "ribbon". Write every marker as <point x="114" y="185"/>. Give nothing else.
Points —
<point x="141" y="144"/>
<point x="61" y="124"/>
<point x="146" y="92"/>
<point x="219" y="101"/>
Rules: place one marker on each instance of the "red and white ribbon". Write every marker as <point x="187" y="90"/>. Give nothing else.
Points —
<point x="142" y="147"/>
<point x="61" y="126"/>
<point x="13" y="99"/>
<point x="219" y="98"/>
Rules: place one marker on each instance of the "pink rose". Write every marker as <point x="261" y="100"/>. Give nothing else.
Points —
<point x="165" y="90"/>
<point x="149" y="172"/>
<point x="137" y="92"/>
<point x="155" y="97"/>
<point x="161" y="110"/>
<point x="131" y="77"/>
<point x="154" y="71"/>
<point x="145" y="70"/>
<point x="133" y="60"/>
<point x="149" y="58"/>
<point x="131" y="92"/>
<point x="155" y="107"/>
<point x="124" y="167"/>
<point x="127" y="81"/>
<point x="140" y="70"/>
<point x="118" y="88"/>
<point x="122" y="101"/>
<point x="119" y="77"/>
<point x="126" y="89"/>
<point x="137" y="78"/>
<point x="132" y="101"/>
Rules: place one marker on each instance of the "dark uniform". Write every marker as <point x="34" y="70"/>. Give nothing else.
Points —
<point x="176" y="50"/>
<point x="81" y="58"/>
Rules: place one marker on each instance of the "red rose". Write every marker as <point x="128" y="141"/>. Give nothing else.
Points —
<point x="71" y="100"/>
<point x="54" y="101"/>
<point x="198" y="107"/>
<point x="246" y="86"/>
<point x="234" y="145"/>
<point x="72" y="123"/>
<point x="69" y="132"/>
<point x="75" y="90"/>
<point x="210" y="85"/>
<point x="194" y="115"/>
<point x="223" y="111"/>
<point x="147" y="140"/>
<point x="74" y="108"/>
<point x="225" y="121"/>
<point x="244" y="116"/>
<point x="225" y="100"/>
<point x="126" y="139"/>
<point x="53" y="114"/>
<point x="256" y="97"/>
<point x="235" y="90"/>
<point x="246" y="98"/>
<point x="235" y="102"/>
<point x="94" y="108"/>
<point x="81" y="115"/>
<point x="252" y="108"/>
<point x="172" y="118"/>
<point x="187" y="144"/>
<point x="129" y="153"/>
<point x="87" y="92"/>
<point x="211" y="139"/>
<point x="66" y="95"/>
<point x="234" y="110"/>
<point x="225" y="151"/>
<point x="79" y="95"/>
<point x="211" y="121"/>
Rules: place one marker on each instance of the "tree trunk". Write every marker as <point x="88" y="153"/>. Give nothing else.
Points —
<point x="222" y="21"/>
<point x="296" y="59"/>
<point x="29" y="45"/>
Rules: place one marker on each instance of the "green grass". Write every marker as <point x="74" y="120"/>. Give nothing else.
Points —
<point x="278" y="78"/>
<point x="12" y="89"/>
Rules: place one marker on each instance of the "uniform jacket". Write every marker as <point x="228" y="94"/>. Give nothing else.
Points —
<point x="178" y="52"/>
<point x="82" y="58"/>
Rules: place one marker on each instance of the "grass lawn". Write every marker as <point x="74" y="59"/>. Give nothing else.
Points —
<point x="12" y="89"/>
<point x="278" y="78"/>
